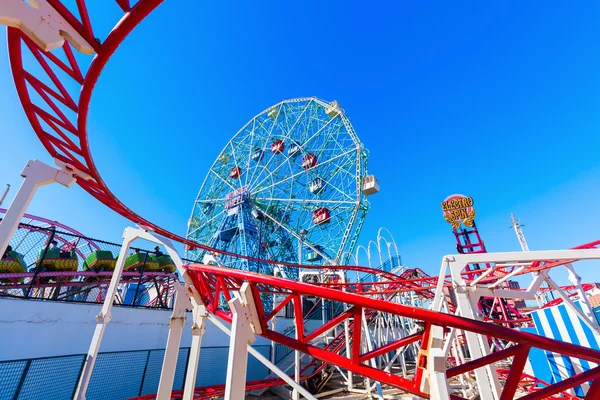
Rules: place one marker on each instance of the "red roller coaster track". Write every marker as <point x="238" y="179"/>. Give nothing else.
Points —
<point x="59" y="117"/>
<point x="212" y="281"/>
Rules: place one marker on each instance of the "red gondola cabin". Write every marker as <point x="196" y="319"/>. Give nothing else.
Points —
<point x="321" y="216"/>
<point x="309" y="161"/>
<point x="277" y="146"/>
<point x="235" y="173"/>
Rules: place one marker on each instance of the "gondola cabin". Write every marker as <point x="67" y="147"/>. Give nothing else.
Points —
<point x="223" y="158"/>
<point x="294" y="149"/>
<point x="333" y="109"/>
<point x="257" y="155"/>
<point x="258" y="214"/>
<point x="314" y="255"/>
<point x="321" y="216"/>
<point x="370" y="185"/>
<point x="235" y="173"/>
<point x="277" y="147"/>
<point x="207" y="208"/>
<point x="309" y="161"/>
<point x="272" y="113"/>
<point x="316" y="185"/>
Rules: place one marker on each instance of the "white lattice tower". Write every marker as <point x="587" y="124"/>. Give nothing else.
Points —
<point x="517" y="226"/>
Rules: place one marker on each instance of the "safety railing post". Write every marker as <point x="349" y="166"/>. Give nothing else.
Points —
<point x="40" y="262"/>
<point x="144" y="373"/>
<point x="137" y="287"/>
<point x="22" y="380"/>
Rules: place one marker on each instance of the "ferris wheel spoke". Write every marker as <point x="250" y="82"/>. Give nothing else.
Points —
<point x="264" y="169"/>
<point x="216" y="200"/>
<point x="308" y="201"/>
<point x="293" y="233"/>
<point x="298" y="118"/>
<point x="286" y="162"/>
<point x="287" y="135"/>
<point x="234" y="157"/>
<point x="249" y="159"/>
<point x="222" y="180"/>
<point x="335" y="187"/>
<point x="204" y="224"/>
<point x="267" y="134"/>
<point x="305" y="171"/>
<point x="287" y="159"/>
<point x="303" y="144"/>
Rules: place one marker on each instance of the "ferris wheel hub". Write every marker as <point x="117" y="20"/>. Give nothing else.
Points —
<point x="237" y="197"/>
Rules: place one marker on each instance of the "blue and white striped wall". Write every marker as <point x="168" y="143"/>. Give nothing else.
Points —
<point x="560" y="323"/>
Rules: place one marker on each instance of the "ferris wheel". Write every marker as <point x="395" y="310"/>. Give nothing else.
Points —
<point x="290" y="186"/>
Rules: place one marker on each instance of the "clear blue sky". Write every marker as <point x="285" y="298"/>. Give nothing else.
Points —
<point x="494" y="100"/>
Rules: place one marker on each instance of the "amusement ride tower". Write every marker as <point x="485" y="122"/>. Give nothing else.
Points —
<point x="460" y="214"/>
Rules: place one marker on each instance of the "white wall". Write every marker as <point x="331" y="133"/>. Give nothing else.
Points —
<point x="33" y="328"/>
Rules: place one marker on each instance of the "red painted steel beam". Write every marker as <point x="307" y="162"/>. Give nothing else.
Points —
<point x="429" y="316"/>
<point x="483" y="361"/>
<point x="329" y="325"/>
<point x="392" y="346"/>
<point x="566" y="384"/>
<point x="324" y="355"/>
<point x="516" y="371"/>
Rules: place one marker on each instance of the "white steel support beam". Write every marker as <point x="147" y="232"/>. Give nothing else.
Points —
<point x="176" y="324"/>
<point x="187" y="298"/>
<point x="130" y="235"/>
<point x="297" y="361"/>
<point x="522" y="256"/>
<point x="198" y="329"/>
<point x="368" y="343"/>
<point x="467" y="301"/>
<point x="468" y="297"/>
<point x="36" y="174"/>
<point x="435" y="382"/>
<point x="487" y="379"/>
<point x="244" y="324"/>
<point x="590" y="322"/>
<point x="103" y="318"/>
<point x="262" y="359"/>
<point x="42" y="23"/>
<point x="583" y="299"/>
<point x="438" y="300"/>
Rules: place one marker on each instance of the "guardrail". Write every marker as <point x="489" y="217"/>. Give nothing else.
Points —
<point x="40" y="250"/>
<point x="117" y="375"/>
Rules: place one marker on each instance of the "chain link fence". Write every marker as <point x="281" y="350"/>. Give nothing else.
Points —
<point x="49" y="264"/>
<point x="116" y="376"/>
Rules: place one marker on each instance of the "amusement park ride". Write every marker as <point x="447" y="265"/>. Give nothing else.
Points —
<point x="272" y="229"/>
